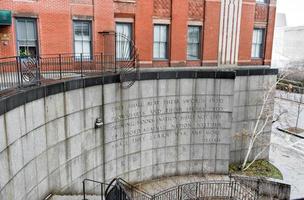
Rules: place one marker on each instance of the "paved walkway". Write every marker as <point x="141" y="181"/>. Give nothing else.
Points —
<point x="158" y="185"/>
<point x="287" y="151"/>
<point x="287" y="155"/>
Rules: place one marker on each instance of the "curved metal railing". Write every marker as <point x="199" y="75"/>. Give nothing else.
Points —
<point x="126" y="59"/>
<point x="221" y="189"/>
<point x="120" y="58"/>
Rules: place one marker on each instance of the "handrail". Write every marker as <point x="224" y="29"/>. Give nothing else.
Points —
<point x="121" y="183"/>
<point x="118" y="186"/>
<point x="237" y="187"/>
<point x="94" y="181"/>
<point x="24" y="71"/>
<point x="106" y="191"/>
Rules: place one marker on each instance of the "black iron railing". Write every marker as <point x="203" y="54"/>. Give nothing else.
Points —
<point x="291" y="86"/>
<point x="207" y="190"/>
<point x="120" y="56"/>
<point x="220" y="189"/>
<point x="93" y="187"/>
<point x="234" y="188"/>
<point x="21" y="71"/>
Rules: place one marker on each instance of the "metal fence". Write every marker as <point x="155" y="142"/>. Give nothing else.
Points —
<point x="235" y="188"/>
<point x="221" y="189"/>
<point x="207" y="190"/>
<point x="291" y="86"/>
<point x="22" y="71"/>
<point x="265" y="188"/>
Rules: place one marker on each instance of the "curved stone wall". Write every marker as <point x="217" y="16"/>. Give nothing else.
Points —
<point x="167" y="123"/>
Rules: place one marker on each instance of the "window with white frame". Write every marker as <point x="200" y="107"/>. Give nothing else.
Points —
<point x="27" y="41"/>
<point x="257" y="43"/>
<point x="160" y="42"/>
<point x="193" y="46"/>
<point x="123" y="41"/>
<point x="82" y="38"/>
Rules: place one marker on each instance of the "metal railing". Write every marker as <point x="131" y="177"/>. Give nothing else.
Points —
<point x="234" y="188"/>
<point x="120" y="189"/>
<point x="21" y="71"/>
<point x="263" y="187"/>
<point x="291" y="86"/>
<point x="91" y="189"/>
<point x="207" y="190"/>
<point x="221" y="189"/>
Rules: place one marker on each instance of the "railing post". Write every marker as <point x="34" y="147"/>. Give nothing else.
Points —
<point x="101" y="63"/>
<point x="231" y="186"/>
<point x="81" y="72"/>
<point x="179" y="192"/>
<point x="101" y="191"/>
<point x="38" y="69"/>
<point x="258" y="189"/>
<point x="83" y="189"/>
<point x="60" y="66"/>
<point x="18" y="71"/>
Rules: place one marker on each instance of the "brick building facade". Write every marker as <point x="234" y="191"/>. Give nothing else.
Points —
<point x="166" y="32"/>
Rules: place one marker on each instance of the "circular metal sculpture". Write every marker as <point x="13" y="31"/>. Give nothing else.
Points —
<point x="29" y="69"/>
<point x="126" y="59"/>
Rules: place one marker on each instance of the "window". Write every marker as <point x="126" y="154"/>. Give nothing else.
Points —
<point x="123" y="41"/>
<point x="82" y="38"/>
<point x="27" y="42"/>
<point x="193" y="47"/>
<point x="257" y="43"/>
<point x="160" y="44"/>
<point x="262" y="1"/>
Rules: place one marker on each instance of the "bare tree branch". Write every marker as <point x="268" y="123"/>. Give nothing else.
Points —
<point x="261" y="121"/>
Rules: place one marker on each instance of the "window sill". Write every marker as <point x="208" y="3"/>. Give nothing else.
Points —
<point x="159" y="59"/>
<point x="198" y="59"/>
<point x="262" y="3"/>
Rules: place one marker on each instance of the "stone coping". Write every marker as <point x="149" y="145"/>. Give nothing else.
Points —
<point x="22" y="96"/>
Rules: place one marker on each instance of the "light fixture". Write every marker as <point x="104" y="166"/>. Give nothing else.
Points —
<point x="98" y="123"/>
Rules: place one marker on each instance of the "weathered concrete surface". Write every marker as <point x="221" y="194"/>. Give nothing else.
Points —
<point x="159" y="185"/>
<point x="249" y="92"/>
<point x="287" y="151"/>
<point x="156" y="128"/>
<point x="290" y="162"/>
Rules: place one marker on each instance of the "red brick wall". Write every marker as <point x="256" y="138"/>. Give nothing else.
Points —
<point x="144" y="35"/>
<point x="247" y="26"/>
<point x="270" y="33"/>
<point x="256" y="15"/>
<point x="196" y="9"/>
<point x="211" y="32"/>
<point x="162" y="8"/>
<point x="179" y="32"/>
<point x="55" y="27"/>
